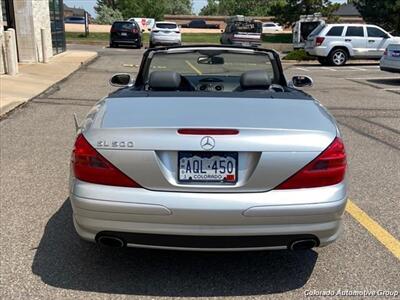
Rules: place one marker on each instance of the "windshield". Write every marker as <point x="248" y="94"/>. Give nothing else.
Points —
<point x="166" y="25"/>
<point x="248" y="27"/>
<point x="124" y="26"/>
<point x="317" y="29"/>
<point x="211" y="62"/>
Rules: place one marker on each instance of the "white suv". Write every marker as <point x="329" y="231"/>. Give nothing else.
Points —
<point x="334" y="44"/>
<point x="165" y="34"/>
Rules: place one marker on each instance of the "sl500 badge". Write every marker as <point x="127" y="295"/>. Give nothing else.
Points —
<point x="115" y="144"/>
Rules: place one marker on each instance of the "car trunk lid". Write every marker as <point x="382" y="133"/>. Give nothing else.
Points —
<point x="276" y="138"/>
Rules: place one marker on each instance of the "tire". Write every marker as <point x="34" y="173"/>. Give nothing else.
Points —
<point x="112" y="45"/>
<point x="338" y="57"/>
<point x="323" y="61"/>
<point x="151" y="45"/>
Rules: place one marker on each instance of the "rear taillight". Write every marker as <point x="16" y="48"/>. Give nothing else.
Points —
<point x="386" y="52"/>
<point x="319" y="40"/>
<point x="328" y="168"/>
<point x="113" y="30"/>
<point x="134" y="30"/>
<point x="90" y="166"/>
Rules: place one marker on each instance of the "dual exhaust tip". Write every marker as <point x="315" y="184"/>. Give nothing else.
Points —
<point x="303" y="244"/>
<point x="116" y="242"/>
<point x="111" y="241"/>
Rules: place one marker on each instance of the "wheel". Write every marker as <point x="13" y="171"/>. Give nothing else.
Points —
<point x="338" y="57"/>
<point x="139" y="45"/>
<point x="112" y="45"/>
<point x="323" y="61"/>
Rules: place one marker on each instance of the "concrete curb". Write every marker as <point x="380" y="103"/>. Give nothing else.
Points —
<point x="85" y="63"/>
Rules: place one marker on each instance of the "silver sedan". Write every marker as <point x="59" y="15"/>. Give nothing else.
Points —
<point x="210" y="148"/>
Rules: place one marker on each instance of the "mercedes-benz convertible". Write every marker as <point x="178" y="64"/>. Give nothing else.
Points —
<point x="209" y="148"/>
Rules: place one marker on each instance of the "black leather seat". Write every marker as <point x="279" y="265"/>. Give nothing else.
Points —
<point x="254" y="80"/>
<point x="165" y="81"/>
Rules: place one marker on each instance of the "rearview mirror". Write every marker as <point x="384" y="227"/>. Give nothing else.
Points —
<point x="121" y="80"/>
<point x="210" y="60"/>
<point x="302" y="81"/>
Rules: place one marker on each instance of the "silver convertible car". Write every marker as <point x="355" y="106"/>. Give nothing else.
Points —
<point x="210" y="148"/>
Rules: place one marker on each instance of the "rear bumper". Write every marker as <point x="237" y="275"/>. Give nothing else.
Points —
<point x="317" y="51"/>
<point x="159" y="40"/>
<point x="128" y="42"/>
<point x="390" y="65"/>
<point x="273" y="218"/>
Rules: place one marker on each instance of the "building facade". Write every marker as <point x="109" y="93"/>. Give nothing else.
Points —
<point x="28" y="18"/>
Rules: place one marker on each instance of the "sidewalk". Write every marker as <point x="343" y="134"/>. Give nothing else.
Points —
<point x="34" y="79"/>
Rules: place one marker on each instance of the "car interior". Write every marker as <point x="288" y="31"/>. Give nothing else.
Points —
<point x="254" y="80"/>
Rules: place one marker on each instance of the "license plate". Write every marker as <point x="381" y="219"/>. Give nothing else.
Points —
<point x="205" y="167"/>
<point x="395" y="54"/>
<point x="124" y="34"/>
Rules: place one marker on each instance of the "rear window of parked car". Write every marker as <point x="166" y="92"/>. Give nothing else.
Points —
<point x="355" y="31"/>
<point x="375" y="32"/>
<point x="166" y="25"/>
<point x="124" y="26"/>
<point x="335" y="31"/>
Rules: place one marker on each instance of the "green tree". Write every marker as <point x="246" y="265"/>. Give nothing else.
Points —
<point x="239" y="7"/>
<point x="290" y="11"/>
<point x="148" y="8"/>
<point x="182" y="7"/>
<point x="211" y="9"/>
<point x="108" y="3"/>
<point x="385" y="13"/>
<point x="107" y="15"/>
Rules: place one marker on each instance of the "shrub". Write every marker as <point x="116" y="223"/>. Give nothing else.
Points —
<point x="298" y="55"/>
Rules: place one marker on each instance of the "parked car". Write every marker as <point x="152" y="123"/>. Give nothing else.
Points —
<point x="209" y="149"/>
<point x="242" y="31"/>
<point x="270" y="27"/>
<point x="200" y="23"/>
<point x="74" y="20"/>
<point x="125" y="33"/>
<point x="334" y="44"/>
<point x="303" y="27"/>
<point x="390" y="61"/>
<point x="164" y="34"/>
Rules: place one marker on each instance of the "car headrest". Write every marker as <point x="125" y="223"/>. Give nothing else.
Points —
<point x="256" y="79"/>
<point x="165" y="81"/>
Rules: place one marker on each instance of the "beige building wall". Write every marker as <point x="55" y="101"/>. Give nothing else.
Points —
<point x="41" y="19"/>
<point x="2" y="54"/>
<point x="30" y="17"/>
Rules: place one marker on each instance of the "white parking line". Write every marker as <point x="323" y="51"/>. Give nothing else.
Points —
<point x="357" y="69"/>
<point x="303" y="69"/>
<point x="329" y="69"/>
<point x="373" y="78"/>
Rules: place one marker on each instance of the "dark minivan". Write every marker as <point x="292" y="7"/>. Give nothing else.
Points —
<point x="125" y="33"/>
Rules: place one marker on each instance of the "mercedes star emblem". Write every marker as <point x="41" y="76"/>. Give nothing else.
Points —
<point x="207" y="143"/>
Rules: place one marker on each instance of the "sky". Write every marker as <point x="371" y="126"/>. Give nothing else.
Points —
<point x="89" y="4"/>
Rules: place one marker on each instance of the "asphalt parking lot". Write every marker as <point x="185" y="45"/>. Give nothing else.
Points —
<point x="42" y="257"/>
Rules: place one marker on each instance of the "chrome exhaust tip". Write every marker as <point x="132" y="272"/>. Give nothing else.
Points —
<point x="303" y="244"/>
<point x="110" y="241"/>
